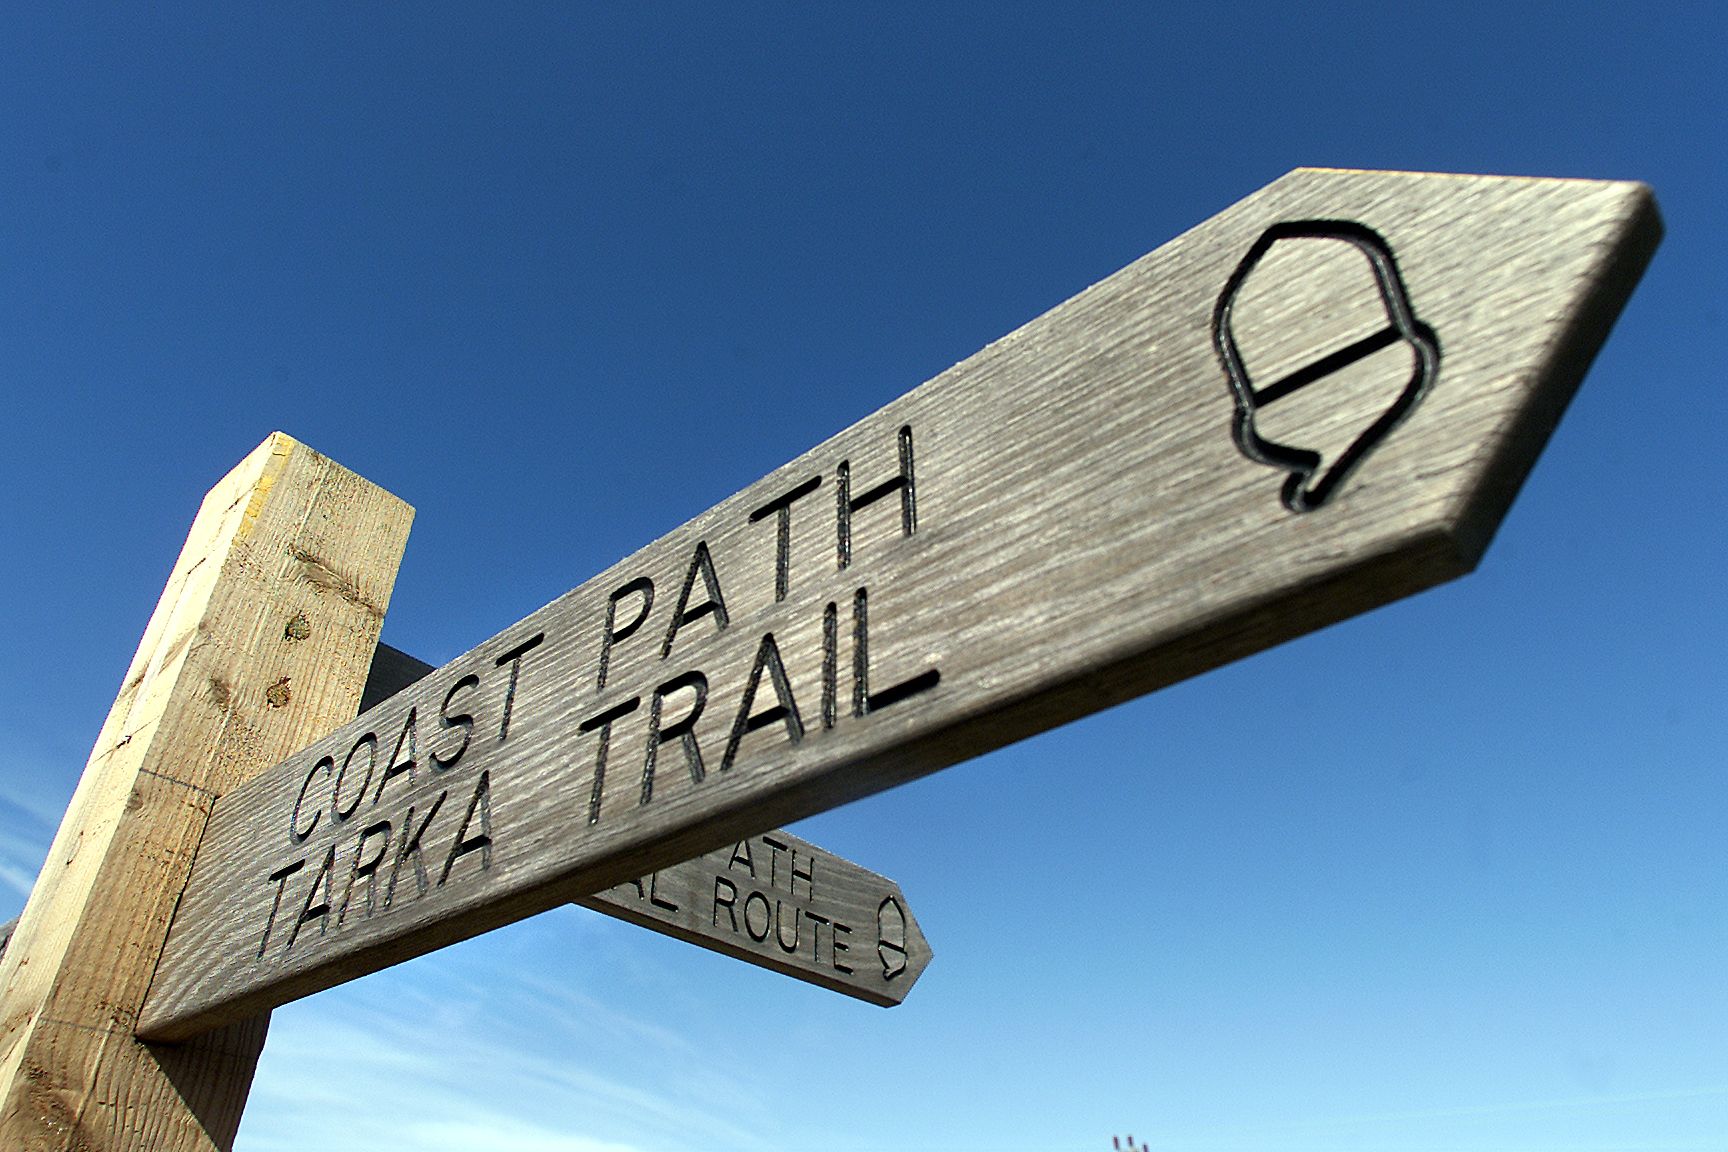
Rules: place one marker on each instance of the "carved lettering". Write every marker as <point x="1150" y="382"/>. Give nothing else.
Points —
<point x="614" y="632"/>
<point x="481" y="840"/>
<point x="775" y="847"/>
<point x="683" y="730"/>
<point x="830" y="664"/>
<point x="846" y="504"/>
<point x="777" y="922"/>
<point x="784" y="708"/>
<point x="838" y="947"/>
<point x="780" y="919"/>
<point x="411" y="847"/>
<point x="758" y="903"/>
<point x="365" y="869"/>
<point x="370" y="742"/>
<point x="808" y="876"/>
<point x="865" y="701"/>
<point x="781" y="509"/>
<point x="725" y="893"/>
<point x="280" y="879"/>
<point x="317" y="906"/>
<point x="295" y="834"/>
<point x="751" y="901"/>
<point x="743" y="853"/>
<point x="816" y="924"/>
<point x="701" y="564"/>
<point x="603" y="723"/>
<point x="514" y="659"/>
<point x="398" y="766"/>
<point x="461" y="720"/>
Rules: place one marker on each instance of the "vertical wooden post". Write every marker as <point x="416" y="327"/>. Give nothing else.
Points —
<point x="259" y="645"/>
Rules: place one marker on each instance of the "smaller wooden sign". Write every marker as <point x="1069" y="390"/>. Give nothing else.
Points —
<point x="782" y="903"/>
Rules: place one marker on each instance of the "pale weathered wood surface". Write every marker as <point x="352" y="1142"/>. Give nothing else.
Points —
<point x="782" y="903"/>
<point x="1099" y="511"/>
<point x="260" y="643"/>
<point x="775" y="900"/>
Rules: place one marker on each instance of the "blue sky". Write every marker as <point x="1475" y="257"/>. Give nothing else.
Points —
<point x="563" y="276"/>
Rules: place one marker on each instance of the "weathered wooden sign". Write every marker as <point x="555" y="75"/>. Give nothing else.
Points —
<point x="1316" y="402"/>
<point x="775" y="900"/>
<point x="782" y="903"/>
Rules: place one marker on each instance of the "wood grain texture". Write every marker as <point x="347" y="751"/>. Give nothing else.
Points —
<point x="775" y="900"/>
<point x="260" y="642"/>
<point x="782" y="903"/>
<point x="1163" y="474"/>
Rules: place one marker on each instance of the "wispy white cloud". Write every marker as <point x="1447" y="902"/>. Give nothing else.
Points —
<point x="33" y="798"/>
<point x="494" y="1047"/>
<point x="18" y="880"/>
<point x="34" y="783"/>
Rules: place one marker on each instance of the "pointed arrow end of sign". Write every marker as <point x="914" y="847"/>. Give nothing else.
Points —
<point x="902" y="951"/>
<point x="1619" y="237"/>
<point x="1487" y="296"/>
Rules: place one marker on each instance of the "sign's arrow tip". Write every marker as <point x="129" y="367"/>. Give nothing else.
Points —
<point x="1393" y="331"/>
<point x="918" y="951"/>
<point x="902" y="952"/>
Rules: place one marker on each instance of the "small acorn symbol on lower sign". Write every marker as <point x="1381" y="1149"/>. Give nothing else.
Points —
<point x="1323" y="352"/>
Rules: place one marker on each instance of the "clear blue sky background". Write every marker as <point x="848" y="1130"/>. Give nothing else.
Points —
<point x="563" y="276"/>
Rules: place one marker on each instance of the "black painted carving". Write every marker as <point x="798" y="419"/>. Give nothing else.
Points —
<point x="641" y="586"/>
<point x="1303" y="490"/>
<point x="464" y="720"/>
<point x="784" y="709"/>
<point x="481" y="841"/>
<point x="701" y="564"/>
<point x="781" y="509"/>
<point x="846" y="504"/>
<point x="864" y="701"/>
<point x="370" y="739"/>
<point x="684" y="731"/>
<point x="891" y="937"/>
<point x="603" y="722"/>
<point x="514" y="659"/>
<point x="411" y="849"/>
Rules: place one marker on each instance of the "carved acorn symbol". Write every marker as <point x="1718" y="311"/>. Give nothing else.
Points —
<point x="891" y="937"/>
<point x="1322" y="350"/>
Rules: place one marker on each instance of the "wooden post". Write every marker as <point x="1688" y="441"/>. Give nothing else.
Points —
<point x="260" y="644"/>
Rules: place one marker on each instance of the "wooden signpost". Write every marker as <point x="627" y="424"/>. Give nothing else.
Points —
<point x="1318" y="401"/>
<point x="774" y="900"/>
